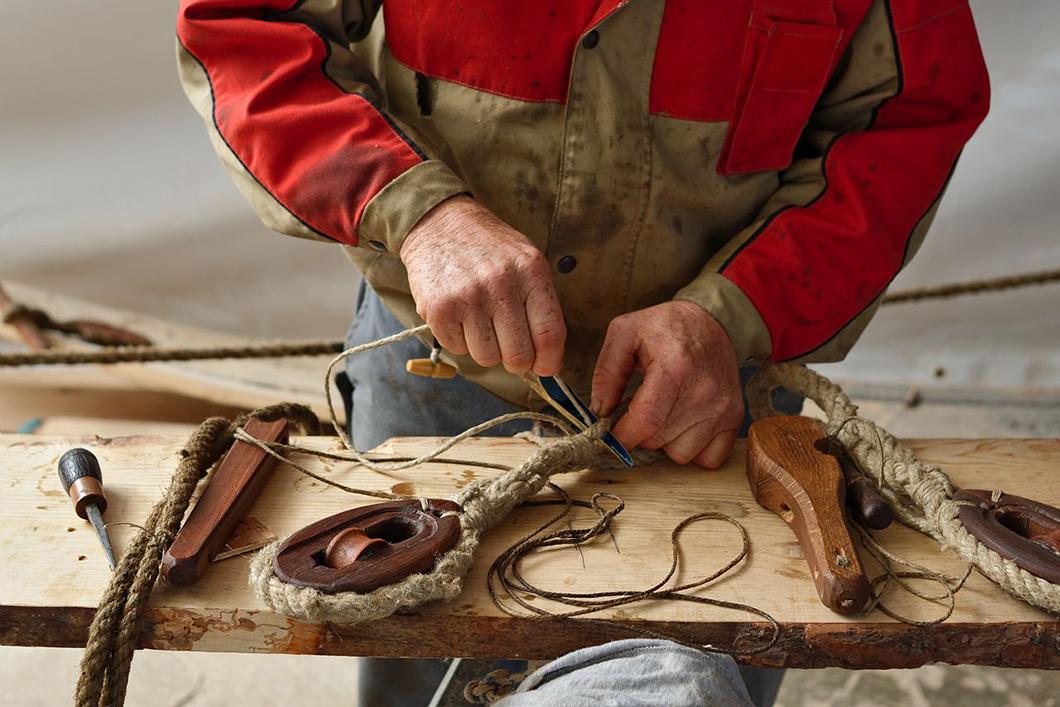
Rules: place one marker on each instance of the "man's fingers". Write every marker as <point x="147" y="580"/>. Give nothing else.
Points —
<point x="648" y="411"/>
<point x="513" y="339"/>
<point x="450" y="335"/>
<point x="717" y="452"/>
<point x="548" y="331"/>
<point x="684" y="447"/>
<point x="481" y="339"/>
<point x="614" y="366"/>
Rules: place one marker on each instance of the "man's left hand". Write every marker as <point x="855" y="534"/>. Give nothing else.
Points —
<point x="690" y="404"/>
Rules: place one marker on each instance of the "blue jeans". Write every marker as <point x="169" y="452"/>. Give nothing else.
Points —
<point x="383" y="401"/>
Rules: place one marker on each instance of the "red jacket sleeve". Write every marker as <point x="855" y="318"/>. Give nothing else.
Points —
<point x="812" y="270"/>
<point x="290" y="104"/>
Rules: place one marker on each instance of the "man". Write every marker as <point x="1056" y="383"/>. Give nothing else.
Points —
<point x="596" y="187"/>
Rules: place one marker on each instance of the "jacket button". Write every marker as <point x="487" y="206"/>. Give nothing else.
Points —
<point x="377" y="245"/>
<point x="591" y="40"/>
<point x="566" y="264"/>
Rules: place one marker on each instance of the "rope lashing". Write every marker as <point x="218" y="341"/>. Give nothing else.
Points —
<point x="920" y="494"/>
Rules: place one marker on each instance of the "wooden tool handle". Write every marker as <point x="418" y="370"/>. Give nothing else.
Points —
<point x="864" y="500"/>
<point x="792" y="478"/>
<point x="233" y="488"/>
<point x="82" y="480"/>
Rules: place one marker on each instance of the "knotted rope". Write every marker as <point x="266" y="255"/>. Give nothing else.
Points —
<point x="920" y="494"/>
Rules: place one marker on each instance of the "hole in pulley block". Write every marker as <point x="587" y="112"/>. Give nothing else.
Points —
<point x="393" y="530"/>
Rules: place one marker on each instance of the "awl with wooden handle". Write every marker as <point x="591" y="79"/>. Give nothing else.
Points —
<point x="82" y="480"/>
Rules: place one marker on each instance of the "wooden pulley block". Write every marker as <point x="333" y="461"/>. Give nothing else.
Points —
<point x="368" y="547"/>
<point x="1020" y="529"/>
<point x="790" y="476"/>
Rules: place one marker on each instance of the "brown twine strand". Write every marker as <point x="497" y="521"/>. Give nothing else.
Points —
<point x="115" y="630"/>
<point x="509" y="587"/>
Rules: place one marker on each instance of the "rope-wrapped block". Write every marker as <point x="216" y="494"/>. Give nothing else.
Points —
<point x="920" y="494"/>
<point x="483" y="504"/>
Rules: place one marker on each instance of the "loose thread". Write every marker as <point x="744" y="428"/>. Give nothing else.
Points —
<point x="505" y="579"/>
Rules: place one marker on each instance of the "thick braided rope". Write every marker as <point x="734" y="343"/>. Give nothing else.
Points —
<point x="483" y="505"/>
<point x="920" y="494"/>
<point x="115" y="630"/>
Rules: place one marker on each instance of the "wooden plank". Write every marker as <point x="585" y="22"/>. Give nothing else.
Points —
<point x="22" y="401"/>
<point x="245" y="384"/>
<point x="54" y="572"/>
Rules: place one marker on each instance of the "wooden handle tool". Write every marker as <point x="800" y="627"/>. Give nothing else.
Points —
<point x="233" y="488"/>
<point x="805" y="486"/>
<point x="864" y="501"/>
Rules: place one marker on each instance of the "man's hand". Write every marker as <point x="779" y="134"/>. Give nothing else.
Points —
<point x="484" y="288"/>
<point x="690" y="404"/>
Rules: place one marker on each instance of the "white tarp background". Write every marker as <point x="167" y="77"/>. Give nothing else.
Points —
<point x="109" y="191"/>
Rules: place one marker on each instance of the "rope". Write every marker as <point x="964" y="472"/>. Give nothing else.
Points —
<point x="492" y="686"/>
<point x="115" y="629"/>
<point x="921" y="495"/>
<point x="973" y="287"/>
<point x="483" y="504"/>
<point x="152" y="354"/>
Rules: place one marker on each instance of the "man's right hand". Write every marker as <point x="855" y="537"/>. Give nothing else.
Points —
<point x="484" y="289"/>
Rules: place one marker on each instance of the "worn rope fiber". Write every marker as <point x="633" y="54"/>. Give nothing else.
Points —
<point x="920" y="494"/>
<point x="152" y="354"/>
<point x="115" y="630"/>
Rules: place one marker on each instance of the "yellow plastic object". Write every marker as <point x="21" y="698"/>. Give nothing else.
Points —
<point x="429" y="369"/>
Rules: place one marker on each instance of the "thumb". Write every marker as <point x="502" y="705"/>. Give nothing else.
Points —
<point x="614" y="366"/>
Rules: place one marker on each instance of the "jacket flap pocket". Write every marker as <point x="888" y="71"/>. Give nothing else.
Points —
<point x="786" y="66"/>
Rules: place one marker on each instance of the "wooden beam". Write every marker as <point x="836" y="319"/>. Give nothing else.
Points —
<point x="54" y="572"/>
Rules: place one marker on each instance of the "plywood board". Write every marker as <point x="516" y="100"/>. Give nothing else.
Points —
<point x="54" y="571"/>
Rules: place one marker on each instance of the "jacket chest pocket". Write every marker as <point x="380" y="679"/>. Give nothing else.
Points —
<point x="784" y="70"/>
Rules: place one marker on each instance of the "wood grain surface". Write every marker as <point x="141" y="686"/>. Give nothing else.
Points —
<point x="54" y="572"/>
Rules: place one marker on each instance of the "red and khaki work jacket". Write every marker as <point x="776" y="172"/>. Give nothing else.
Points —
<point x="776" y="162"/>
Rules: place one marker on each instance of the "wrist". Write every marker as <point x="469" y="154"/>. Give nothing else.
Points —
<point x="704" y="321"/>
<point x="438" y="220"/>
